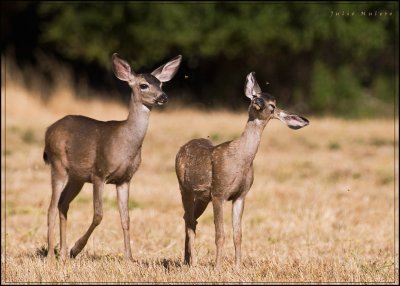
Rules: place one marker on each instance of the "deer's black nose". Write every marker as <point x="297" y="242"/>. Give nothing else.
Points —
<point x="161" y="99"/>
<point x="259" y="103"/>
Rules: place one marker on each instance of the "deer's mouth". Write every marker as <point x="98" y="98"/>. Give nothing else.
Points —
<point x="162" y="99"/>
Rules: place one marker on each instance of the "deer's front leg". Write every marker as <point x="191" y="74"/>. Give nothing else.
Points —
<point x="237" y="212"/>
<point x="218" y="206"/>
<point x="123" y="204"/>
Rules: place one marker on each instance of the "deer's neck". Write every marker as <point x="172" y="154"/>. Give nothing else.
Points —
<point x="251" y="137"/>
<point x="138" y="118"/>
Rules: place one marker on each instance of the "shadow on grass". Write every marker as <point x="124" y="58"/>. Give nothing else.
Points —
<point x="167" y="263"/>
<point x="41" y="252"/>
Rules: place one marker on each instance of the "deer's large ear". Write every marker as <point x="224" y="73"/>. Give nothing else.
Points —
<point x="167" y="71"/>
<point x="122" y="69"/>
<point x="251" y="87"/>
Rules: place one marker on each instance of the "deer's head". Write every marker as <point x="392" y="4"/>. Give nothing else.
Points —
<point x="147" y="86"/>
<point x="263" y="106"/>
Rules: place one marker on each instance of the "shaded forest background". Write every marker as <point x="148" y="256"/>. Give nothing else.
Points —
<point x="336" y="59"/>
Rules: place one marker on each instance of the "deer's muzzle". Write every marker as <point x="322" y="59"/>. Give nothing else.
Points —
<point x="160" y="100"/>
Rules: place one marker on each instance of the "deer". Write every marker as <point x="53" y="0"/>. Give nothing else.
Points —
<point x="83" y="150"/>
<point x="224" y="172"/>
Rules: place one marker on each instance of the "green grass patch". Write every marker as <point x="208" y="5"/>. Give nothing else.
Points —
<point x="337" y="175"/>
<point x="113" y="203"/>
<point x="379" y="142"/>
<point x="28" y="137"/>
<point x="14" y="129"/>
<point x="333" y="146"/>
<point x="214" y="137"/>
<point x="385" y="179"/>
<point x="83" y="200"/>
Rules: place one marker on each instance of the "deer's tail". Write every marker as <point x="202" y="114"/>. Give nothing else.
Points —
<point x="46" y="158"/>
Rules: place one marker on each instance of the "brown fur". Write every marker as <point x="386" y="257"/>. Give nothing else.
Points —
<point x="84" y="150"/>
<point x="225" y="172"/>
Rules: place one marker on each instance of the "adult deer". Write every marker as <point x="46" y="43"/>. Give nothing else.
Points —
<point x="84" y="150"/>
<point x="225" y="172"/>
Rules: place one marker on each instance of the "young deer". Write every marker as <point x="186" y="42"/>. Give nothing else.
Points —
<point x="84" y="150"/>
<point x="225" y="172"/>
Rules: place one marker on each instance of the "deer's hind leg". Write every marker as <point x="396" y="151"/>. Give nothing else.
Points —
<point x="70" y="191"/>
<point x="190" y="226"/>
<point x="58" y="178"/>
<point x="200" y="205"/>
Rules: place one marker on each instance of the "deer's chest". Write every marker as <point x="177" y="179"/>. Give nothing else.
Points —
<point x="231" y="178"/>
<point x="118" y="161"/>
<point x="123" y="172"/>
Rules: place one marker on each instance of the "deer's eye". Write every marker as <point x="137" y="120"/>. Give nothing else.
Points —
<point x="143" y="86"/>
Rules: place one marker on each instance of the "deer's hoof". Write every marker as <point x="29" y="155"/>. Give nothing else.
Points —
<point x="190" y="263"/>
<point x="51" y="259"/>
<point x="73" y="253"/>
<point x="217" y="266"/>
<point x="128" y="258"/>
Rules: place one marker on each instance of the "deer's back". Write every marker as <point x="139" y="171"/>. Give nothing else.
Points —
<point x="193" y="165"/>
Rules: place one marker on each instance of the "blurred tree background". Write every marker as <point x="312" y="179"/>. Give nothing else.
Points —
<point x="317" y="57"/>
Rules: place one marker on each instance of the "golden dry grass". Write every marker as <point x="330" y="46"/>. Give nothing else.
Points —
<point x="322" y="207"/>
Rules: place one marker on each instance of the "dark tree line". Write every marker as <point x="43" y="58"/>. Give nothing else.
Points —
<point x="338" y="58"/>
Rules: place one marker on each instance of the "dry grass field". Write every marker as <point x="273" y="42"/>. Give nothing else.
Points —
<point x="321" y="209"/>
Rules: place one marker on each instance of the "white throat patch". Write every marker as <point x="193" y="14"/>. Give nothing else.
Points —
<point x="145" y="108"/>
<point x="258" y="121"/>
